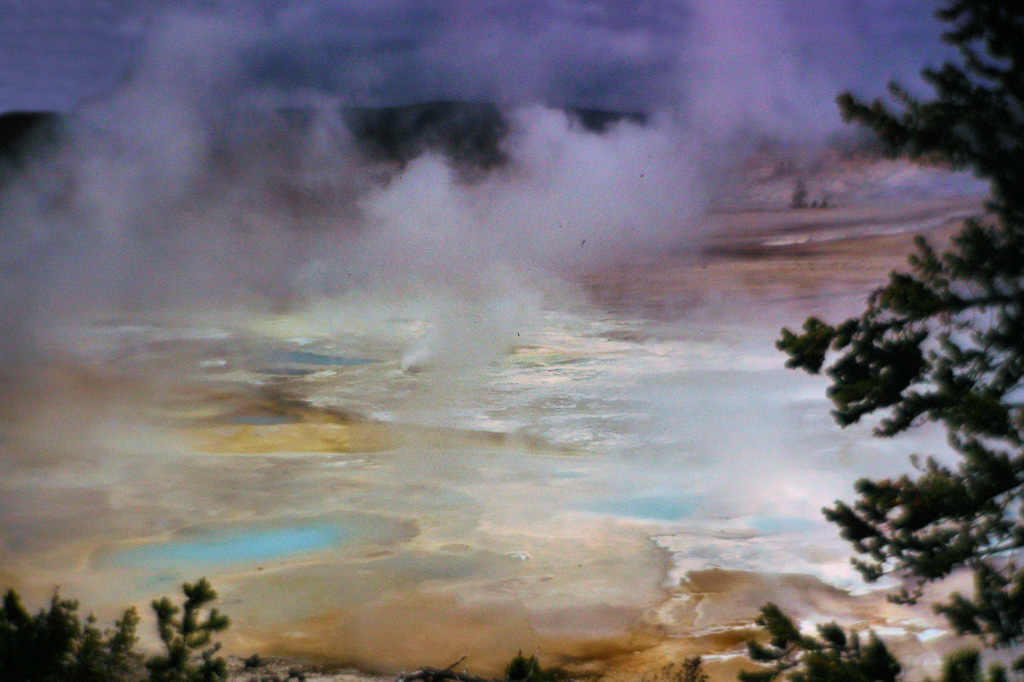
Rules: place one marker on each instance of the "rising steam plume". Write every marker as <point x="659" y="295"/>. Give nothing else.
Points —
<point x="222" y="172"/>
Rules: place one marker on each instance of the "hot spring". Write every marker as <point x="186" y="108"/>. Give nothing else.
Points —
<point x="631" y="475"/>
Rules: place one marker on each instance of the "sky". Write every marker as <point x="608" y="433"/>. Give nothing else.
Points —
<point x="613" y="54"/>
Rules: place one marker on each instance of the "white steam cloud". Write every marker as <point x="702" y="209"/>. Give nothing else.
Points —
<point x="189" y="185"/>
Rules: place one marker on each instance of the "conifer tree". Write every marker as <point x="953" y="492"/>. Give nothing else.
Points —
<point x="55" y="645"/>
<point x="832" y="656"/>
<point x="190" y="651"/>
<point x="944" y="341"/>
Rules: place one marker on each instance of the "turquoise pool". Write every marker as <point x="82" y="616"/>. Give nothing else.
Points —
<point x="236" y="546"/>
<point x="301" y="357"/>
<point x="657" y="507"/>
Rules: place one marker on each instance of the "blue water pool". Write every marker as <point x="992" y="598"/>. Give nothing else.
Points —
<point x="652" y="507"/>
<point x="236" y="546"/>
<point x="285" y="371"/>
<point x="300" y="357"/>
<point x="783" y="524"/>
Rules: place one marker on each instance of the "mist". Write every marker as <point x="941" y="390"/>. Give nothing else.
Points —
<point x="191" y="186"/>
<point x="223" y="170"/>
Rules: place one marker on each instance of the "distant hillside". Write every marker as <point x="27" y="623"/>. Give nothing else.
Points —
<point x="599" y="120"/>
<point x="469" y="134"/>
<point x="20" y="130"/>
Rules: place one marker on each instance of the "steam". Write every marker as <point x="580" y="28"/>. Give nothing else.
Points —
<point x="191" y="186"/>
<point x="742" y="75"/>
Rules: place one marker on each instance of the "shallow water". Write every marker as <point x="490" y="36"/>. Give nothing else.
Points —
<point x="245" y="545"/>
<point x="307" y="358"/>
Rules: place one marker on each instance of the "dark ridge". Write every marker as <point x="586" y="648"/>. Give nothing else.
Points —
<point x="599" y="120"/>
<point x="469" y="133"/>
<point x="22" y="130"/>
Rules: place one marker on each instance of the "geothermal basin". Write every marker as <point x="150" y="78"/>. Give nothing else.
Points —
<point x="616" y="477"/>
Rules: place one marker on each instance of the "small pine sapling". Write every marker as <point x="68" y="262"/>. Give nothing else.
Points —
<point x="526" y="669"/>
<point x="191" y="654"/>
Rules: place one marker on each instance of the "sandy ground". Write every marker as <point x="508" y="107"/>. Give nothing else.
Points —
<point x="818" y="259"/>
